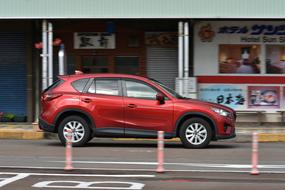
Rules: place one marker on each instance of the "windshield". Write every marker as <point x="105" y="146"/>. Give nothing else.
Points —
<point x="169" y="90"/>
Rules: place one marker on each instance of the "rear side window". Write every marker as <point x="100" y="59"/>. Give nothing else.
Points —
<point x="54" y="85"/>
<point x="80" y="84"/>
<point x="105" y="86"/>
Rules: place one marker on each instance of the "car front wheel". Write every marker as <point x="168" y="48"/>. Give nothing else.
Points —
<point x="195" y="133"/>
<point x="78" y="126"/>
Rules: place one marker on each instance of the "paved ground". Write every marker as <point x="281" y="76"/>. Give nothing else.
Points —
<point x="138" y="180"/>
<point x="110" y="154"/>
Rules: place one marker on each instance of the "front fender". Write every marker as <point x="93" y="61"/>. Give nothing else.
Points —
<point x="187" y="115"/>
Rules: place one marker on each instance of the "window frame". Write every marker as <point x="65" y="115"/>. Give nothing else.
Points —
<point x="73" y="85"/>
<point x="104" y="78"/>
<point x="141" y="82"/>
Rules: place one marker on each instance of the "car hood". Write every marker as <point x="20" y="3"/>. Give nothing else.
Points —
<point x="210" y="104"/>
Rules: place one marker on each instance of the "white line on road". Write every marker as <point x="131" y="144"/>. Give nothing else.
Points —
<point x="12" y="179"/>
<point x="146" y="170"/>
<point x="204" y="165"/>
<point x="76" y="175"/>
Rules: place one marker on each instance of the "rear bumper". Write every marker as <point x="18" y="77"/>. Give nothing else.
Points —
<point x="46" y="126"/>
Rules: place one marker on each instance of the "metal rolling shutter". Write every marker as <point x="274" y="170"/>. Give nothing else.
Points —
<point x="13" y="73"/>
<point x="162" y="65"/>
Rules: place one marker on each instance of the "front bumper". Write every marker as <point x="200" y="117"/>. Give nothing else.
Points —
<point x="46" y="126"/>
<point x="230" y="136"/>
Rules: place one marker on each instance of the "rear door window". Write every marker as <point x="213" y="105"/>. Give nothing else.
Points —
<point x="105" y="86"/>
<point x="80" y="84"/>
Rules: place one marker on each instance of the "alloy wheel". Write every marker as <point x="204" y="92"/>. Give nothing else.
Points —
<point x="77" y="129"/>
<point x="196" y="133"/>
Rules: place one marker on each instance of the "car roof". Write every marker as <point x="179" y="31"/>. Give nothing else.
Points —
<point x="107" y="75"/>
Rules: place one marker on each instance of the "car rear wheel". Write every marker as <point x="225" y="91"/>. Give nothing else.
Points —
<point x="81" y="132"/>
<point x="195" y="133"/>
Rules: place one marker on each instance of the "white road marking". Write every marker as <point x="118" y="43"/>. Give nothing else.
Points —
<point x="18" y="176"/>
<point x="143" y="170"/>
<point x="203" y="165"/>
<point x="89" y="185"/>
<point x="78" y="175"/>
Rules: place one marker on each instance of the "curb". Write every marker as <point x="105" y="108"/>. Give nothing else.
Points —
<point x="269" y="137"/>
<point x="20" y="134"/>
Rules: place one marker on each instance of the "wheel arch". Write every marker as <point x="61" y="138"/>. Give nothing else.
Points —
<point x="68" y="112"/>
<point x="189" y="115"/>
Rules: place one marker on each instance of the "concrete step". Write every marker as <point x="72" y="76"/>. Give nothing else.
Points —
<point x="27" y="131"/>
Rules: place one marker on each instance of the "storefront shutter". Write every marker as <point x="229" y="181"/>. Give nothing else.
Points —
<point x="162" y="65"/>
<point x="13" y="73"/>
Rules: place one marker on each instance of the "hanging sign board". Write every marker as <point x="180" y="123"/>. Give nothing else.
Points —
<point x="94" y="40"/>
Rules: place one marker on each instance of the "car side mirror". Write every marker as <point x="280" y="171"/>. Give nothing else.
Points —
<point x="160" y="97"/>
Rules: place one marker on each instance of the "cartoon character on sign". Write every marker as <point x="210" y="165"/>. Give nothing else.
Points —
<point x="206" y="33"/>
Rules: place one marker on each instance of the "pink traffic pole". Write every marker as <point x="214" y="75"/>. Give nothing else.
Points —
<point x="254" y="170"/>
<point x="68" y="151"/>
<point x="160" y="152"/>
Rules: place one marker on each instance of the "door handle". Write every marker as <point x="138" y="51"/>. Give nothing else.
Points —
<point x="86" y="100"/>
<point x="132" y="105"/>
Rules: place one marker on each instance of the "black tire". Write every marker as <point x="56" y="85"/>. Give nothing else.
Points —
<point x="90" y="137"/>
<point x="195" y="133"/>
<point x="79" y="139"/>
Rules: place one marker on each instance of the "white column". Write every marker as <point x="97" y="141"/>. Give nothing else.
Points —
<point x="61" y="60"/>
<point x="180" y="49"/>
<point x="50" y="54"/>
<point x="180" y="57"/>
<point x="186" y="50"/>
<point x="44" y="55"/>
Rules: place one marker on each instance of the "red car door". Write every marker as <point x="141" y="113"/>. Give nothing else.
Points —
<point x="104" y="101"/>
<point x="142" y="111"/>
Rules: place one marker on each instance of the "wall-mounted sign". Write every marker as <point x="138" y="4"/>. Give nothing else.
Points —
<point x="94" y="40"/>
<point x="244" y="96"/>
<point x="233" y="96"/>
<point x="239" y="47"/>
<point x="161" y="39"/>
<point x="264" y="97"/>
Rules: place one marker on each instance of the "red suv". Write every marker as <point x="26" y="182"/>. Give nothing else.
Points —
<point x="118" y="105"/>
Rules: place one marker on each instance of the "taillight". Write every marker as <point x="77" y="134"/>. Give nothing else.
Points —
<point x="49" y="97"/>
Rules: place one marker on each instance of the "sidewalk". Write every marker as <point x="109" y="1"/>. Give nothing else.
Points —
<point x="267" y="133"/>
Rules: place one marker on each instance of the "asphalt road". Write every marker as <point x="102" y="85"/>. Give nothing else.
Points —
<point x="109" y="164"/>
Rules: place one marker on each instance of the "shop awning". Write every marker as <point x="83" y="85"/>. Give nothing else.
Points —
<point x="14" y="9"/>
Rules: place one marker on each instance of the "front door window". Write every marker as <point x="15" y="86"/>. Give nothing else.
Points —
<point x="139" y="90"/>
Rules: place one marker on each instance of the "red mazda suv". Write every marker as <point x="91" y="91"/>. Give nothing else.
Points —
<point x="119" y="105"/>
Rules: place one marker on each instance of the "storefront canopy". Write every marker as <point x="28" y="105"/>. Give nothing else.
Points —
<point x="14" y="9"/>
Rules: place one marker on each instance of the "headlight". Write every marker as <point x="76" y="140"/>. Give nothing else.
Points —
<point x="221" y="112"/>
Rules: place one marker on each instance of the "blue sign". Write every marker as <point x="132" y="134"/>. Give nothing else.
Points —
<point x="229" y="95"/>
